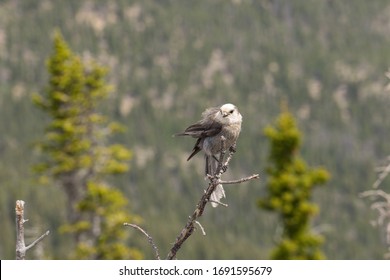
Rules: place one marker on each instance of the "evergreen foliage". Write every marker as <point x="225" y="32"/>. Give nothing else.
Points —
<point x="290" y="186"/>
<point x="77" y="155"/>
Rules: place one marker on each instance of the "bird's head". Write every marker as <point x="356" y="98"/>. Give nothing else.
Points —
<point x="229" y="113"/>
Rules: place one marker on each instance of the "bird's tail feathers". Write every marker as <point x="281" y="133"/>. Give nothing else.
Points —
<point x="211" y="165"/>
<point x="210" y="169"/>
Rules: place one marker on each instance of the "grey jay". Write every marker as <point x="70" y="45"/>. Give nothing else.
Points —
<point x="216" y="122"/>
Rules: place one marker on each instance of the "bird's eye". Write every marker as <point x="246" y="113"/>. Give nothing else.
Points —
<point x="231" y="111"/>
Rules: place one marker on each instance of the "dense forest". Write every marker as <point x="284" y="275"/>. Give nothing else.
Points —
<point x="169" y="60"/>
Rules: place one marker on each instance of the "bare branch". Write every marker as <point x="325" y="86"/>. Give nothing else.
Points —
<point x="150" y="239"/>
<point x="201" y="227"/>
<point x="385" y="170"/>
<point x="39" y="239"/>
<point x="382" y="206"/>
<point x="242" y="180"/>
<point x="219" y="203"/>
<point x="21" y="248"/>
<point x="214" y="181"/>
<point x="379" y="193"/>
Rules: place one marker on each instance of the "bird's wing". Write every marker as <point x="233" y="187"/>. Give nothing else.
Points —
<point x="201" y="129"/>
<point x="206" y="127"/>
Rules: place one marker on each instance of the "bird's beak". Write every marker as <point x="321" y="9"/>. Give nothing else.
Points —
<point x="224" y="114"/>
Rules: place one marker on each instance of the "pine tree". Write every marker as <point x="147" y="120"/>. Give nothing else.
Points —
<point x="77" y="156"/>
<point x="290" y="186"/>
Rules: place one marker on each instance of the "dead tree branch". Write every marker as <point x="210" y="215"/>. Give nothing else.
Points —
<point x="21" y="248"/>
<point x="381" y="205"/>
<point x="383" y="172"/>
<point x="150" y="239"/>
<point x="242" y="180"/>
<point x="214" y="182"/>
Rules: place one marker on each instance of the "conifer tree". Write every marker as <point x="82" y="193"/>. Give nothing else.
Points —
<point x="78" y="157"/>
<point x="290" y="186"/>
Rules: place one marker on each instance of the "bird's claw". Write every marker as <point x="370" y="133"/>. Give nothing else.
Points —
<point x="232" y="148"/>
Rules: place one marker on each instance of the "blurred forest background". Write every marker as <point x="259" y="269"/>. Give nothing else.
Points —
<point x="171" y="59"/>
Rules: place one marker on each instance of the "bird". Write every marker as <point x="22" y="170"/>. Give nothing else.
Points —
<point x="216" y="122"/>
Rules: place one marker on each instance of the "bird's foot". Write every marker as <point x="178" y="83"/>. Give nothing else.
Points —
<point x="233" y="148"/>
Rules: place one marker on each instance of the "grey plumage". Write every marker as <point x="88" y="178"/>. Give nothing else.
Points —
<point x="216" y="122"/>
